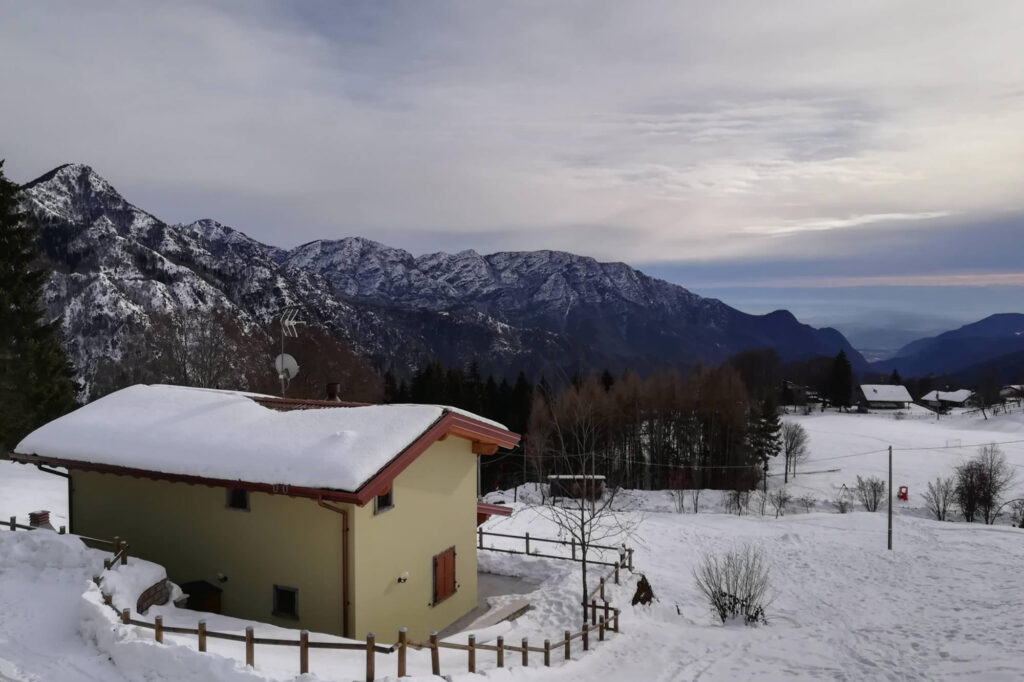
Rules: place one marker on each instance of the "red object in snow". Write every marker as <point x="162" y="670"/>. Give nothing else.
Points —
<point x="902" y="494"/>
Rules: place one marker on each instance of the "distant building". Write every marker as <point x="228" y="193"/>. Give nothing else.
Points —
<point x="1012" y="392"/>
<point x="884" y="397"/>
<point x="943" y="400"/>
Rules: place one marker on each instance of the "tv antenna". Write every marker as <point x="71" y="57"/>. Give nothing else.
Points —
<point x="285" y="364"/>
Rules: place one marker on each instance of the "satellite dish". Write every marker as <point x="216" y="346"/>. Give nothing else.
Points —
<point x="286" y="366"/>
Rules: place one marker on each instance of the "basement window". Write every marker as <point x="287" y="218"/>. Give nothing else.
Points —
<point x="286" y="602"/>
<point x="384" y="501"/>
<point x="238" y="499"/>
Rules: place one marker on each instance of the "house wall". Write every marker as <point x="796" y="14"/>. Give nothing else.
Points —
<point x="281" y="540"/>
<point x="434" y="509"/>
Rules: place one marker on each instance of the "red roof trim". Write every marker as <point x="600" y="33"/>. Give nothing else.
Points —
<point x="492" y="509"/>
<point x="451" y="423"/>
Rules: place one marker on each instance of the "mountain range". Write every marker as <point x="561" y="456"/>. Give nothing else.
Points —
<point x="545" y="312"/>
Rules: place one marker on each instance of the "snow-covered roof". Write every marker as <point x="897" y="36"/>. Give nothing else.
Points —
<point x="958" y="396"/>
<point x="885" y="393"/>
<point x="228" y="435"/>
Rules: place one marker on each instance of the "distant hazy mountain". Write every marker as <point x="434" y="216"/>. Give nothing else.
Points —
<point x="879" y="335"/>
<point x="545" y="312"/>
<point x="973" y="344"/>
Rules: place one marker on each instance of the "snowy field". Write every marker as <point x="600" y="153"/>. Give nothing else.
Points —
<point x="946" y="604"/>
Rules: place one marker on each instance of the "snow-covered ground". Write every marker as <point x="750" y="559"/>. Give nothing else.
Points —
<point x="947" y="603"/>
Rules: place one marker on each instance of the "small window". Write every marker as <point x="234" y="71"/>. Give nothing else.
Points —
<point x="384" y="501"/>
<point x="286" y="602"/>
<point x="238" y="499"/>
<point x="444" y="575"/>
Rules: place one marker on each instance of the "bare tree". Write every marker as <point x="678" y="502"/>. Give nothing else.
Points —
<point x="736" y="501"/>
<point x="996" y="477"/>
<point x="678" y="500"/>
<point x="794" y="447"/>
<point x="807" y="502"/>
<point x="939" y="496"/>
<point x="695" y="499"/>
<point x="779" y="498"/>
<point x="569" y="439"/>
<point x="870" y="490"/>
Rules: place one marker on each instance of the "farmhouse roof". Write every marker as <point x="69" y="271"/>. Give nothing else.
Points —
<point x="298" y="447"/>
<point x="885" y="393"/>
<point x="958" y="396"/>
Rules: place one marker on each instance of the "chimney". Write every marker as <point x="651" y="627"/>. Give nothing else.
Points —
<point x="40" y="519"/>
<point x="334" y="391"/>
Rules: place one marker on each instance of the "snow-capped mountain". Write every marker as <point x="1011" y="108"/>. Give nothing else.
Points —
<point x="543" y="311"/>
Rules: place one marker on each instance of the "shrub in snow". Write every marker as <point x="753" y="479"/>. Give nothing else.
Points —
<point x="1017" y="513"/>
<point x="678" y="500"/>
<point x="806" y="501"/>
<point x="736" y="501"/>
<point x="695" y="499"/>
<point x="844" y="500"/>
<point x="870" y="491"/>
<point x="735" y="584"/>
<point x="779" y="499"/>
<point x="939" y="496"/>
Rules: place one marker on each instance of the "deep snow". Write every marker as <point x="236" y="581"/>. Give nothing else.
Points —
<point x="945" y="604"/>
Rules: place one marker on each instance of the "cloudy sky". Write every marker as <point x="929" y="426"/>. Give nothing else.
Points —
<point x="835" y="158"/>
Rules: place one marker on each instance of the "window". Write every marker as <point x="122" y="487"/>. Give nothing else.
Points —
<point x="286" y="602"/>
<point x="238" y="499"/>
<point x="444" y="575"/>
<point x="384" y="501"/>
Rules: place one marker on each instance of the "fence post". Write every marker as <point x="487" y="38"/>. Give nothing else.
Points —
<point x="304" y="652"/>
<point x="158" y="629"/>
<point x="586" y="636"/>
<point x="573" y="549"/>
<point x="471" y="662"/>
<point x="62" y="530"/>
<point x="124" y="554"/>
<point x="480" y="536"/>
<point x="435" y="663"/>
<point x="201" y="632"/>
<point x="602" y="589"/>
<point x="526" y="652"/>
<point x="117" y="544"/>
<point x="600" y="629"/>
<point x="14" y="523"/>
<point x="547" y="652"/>
<point x="126" y="616"/>
<point x="593" y="612"/>
<point x="250" y="648"/>
<point x="616" y="574"/>
<point x="607" y="615"/>
<point x="501" y="651"/>
<point x="402" y="634"/>
<point x="616" y="620"/>
<point x="527" y="543"/>
<point x="629" y="553"/>
<point x="370" y="672"/>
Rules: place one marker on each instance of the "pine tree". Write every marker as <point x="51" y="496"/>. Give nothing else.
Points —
<point x="35" y="377"/>
<point x="765" y="434"/>
<point x="895" y="379"/>
<point x="840" y="381"/>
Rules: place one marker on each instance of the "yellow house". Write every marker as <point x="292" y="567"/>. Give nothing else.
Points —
<point x="333" y="517"/>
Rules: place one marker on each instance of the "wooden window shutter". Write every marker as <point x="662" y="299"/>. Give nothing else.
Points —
<point x="444" y="574"/>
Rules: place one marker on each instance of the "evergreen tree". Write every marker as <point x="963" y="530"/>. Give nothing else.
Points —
<point x="840" y="381"/>
<point x="35" y="377"/>
<point x="895" y="379"/>
<point x="765" y="434"/>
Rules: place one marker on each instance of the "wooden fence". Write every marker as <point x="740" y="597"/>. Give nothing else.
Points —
<point x="604" y="618"/>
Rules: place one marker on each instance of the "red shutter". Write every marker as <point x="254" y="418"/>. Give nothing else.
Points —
<point x="444" y="574"/>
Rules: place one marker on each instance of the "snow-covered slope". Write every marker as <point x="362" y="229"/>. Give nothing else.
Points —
<point x="545" y="312"/>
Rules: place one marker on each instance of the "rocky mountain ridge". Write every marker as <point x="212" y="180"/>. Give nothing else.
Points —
<point x="544" y="312"/>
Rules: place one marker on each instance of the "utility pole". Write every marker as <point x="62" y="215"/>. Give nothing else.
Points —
<point x="890" y="497"/>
